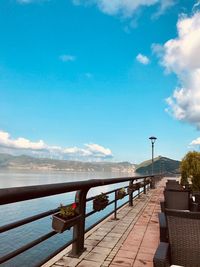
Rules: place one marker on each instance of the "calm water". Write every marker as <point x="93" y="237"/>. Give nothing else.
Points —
<point x="15" y="238"/>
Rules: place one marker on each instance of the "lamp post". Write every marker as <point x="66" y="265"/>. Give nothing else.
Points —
<point x="153" y="139"/>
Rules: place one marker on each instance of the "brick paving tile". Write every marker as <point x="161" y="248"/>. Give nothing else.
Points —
<point x="114" y="235"/>
<point x="125" y="262"/>
<point x="148" y="250"/>
<point x="110" y="238"/>
<point x="143" y="238"/>
<point x="91" y="242"/>
<point x="130" y="248"/>
<point x="144" y="256"/>
<point x="126" y="254"/>
<point x="93" y="256"/>
<point x="140" y="263"/>
<point x="85" y="263"/>
<point x="107" y="244"/>
<point x="95" y="237"/>
<point x="133" y="242"/>
<point x="102" y="250"/>
<point x="67" y="261"/>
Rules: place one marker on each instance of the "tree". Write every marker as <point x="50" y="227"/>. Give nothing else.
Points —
<point x="190" y="168"/>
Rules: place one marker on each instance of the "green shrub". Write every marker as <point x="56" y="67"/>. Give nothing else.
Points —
<point x="190" y="168"/>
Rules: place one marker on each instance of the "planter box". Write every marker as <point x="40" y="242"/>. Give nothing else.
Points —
<point x="147" y="181"/>
<point x="99" y="204"/>
<point x="152" y="184"/>
<point x="120" y="195"/>
<point x="60" y="224"/>
<point x="133" y="188"/>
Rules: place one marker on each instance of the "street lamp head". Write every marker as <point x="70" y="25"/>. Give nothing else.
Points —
<point x="153" y="139"/>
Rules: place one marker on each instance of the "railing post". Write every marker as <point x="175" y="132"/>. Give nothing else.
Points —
<point x="131" y="194"/>
<point x="115" y="208"/>
<point x="144" y="185"/>
<point x="152" y="184"/>
<point x="139" y="190"/>
<point x="79" y="228"/>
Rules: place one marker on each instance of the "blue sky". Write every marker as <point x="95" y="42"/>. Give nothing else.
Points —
<point x="92" y="80"/>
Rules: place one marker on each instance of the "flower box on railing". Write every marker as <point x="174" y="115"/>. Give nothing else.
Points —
<point x="141" y="184"/>
<point x="147" y="181"/>
<point x="121" y="193"/>
<point x="100" y="202"/>
<point x="133" y="188"/>
<point x="152" y="184"/>
<point x="65" y="218"/>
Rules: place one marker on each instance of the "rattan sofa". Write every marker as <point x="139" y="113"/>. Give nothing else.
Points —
<point x="183" y="247"/>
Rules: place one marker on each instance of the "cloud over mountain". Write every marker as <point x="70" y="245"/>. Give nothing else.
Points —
<point x="40" y="148"/>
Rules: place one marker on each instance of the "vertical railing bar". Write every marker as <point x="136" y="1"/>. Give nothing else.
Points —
<point x="115" y="206"/>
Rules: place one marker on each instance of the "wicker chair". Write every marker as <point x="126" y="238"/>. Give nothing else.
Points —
<point x="174" y="199"/>
<point x="197" y="199"/>
<point x="173" y="184"/>
<point x="183" y="247"/>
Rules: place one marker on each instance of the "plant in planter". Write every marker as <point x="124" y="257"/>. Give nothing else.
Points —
<point x="100" y="202"/>
<point x="147" y="181"/>
<point x="132" y="188"/>
<point x="121" y="193"/>
<point x="65" y="218"/>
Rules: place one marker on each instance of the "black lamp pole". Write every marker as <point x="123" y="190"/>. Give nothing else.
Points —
<point x="153" y="139"/>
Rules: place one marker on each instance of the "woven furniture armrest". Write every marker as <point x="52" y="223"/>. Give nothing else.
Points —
<point x="194" y="206"/>
<point x="161" y="257"/>
<point x="163" y="227"/>
<point x="162" y="206"/>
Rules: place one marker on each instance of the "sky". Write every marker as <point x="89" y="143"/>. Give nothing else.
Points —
<point x="94" y="79"/>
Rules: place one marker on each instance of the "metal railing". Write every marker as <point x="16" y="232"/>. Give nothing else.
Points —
<point x="13" y="195"/>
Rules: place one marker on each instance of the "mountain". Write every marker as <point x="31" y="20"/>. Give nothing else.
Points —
<point x="25" y="162"/>
<point x="161" y="165"/>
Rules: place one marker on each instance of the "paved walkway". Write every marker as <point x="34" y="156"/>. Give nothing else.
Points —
<point x="130" y="241"/>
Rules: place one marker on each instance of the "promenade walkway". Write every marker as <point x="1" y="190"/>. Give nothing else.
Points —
<point x="129" y="241"/>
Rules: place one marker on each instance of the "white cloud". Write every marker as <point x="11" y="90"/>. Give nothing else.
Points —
<point x="66" y="58"/>
<point x="143" y="59"/>
<point x="164" y="5"/>
<point x="40" y="148"/>
<point x="20" y="143"/>
<point x="98" y="150"/>
<point x="181" y="56"/>
<point x="125" y="8"/>
<point x="195" y="142"/>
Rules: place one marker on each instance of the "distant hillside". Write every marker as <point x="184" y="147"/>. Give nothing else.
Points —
<point x="30" y="163"/>
<point x="161" y="165"/>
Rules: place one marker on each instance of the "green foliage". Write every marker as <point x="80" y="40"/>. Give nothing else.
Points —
<point x="68" y="211"/>
<point x="190" y="168"/>
<point x="122" y="191"/>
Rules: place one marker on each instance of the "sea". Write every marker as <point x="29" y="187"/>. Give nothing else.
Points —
<point x="13" y="239"/>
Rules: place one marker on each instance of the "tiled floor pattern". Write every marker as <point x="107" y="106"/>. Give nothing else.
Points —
<point x="139" y="247"/>
<point x="130" y="241"/>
